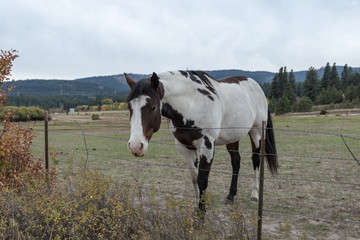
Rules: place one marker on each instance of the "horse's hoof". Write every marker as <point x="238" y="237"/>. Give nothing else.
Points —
<point x="229" y="200"/>
<point x="199" y="222"/>
<point x="254" y="199"/>
<point x="230" y="197"/>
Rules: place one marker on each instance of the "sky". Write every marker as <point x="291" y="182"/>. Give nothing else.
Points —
<point x="69" y="39"/>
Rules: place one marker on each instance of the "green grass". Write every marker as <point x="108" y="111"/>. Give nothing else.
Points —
<point x="317" y="177"/>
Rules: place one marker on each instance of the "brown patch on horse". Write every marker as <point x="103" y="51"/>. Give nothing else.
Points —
<point x="160" y="91"/>
<point x="151" y="117"/>
<point x="236" y="79"/>
<point x="186" y="131"/>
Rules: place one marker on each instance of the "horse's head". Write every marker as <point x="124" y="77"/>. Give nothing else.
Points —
<point x="145" y="116"/>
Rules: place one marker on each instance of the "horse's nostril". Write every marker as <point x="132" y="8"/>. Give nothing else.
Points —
<point x="141" y="146"/>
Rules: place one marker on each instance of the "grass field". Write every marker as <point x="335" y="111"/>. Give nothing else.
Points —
<point x="316" y="194"/>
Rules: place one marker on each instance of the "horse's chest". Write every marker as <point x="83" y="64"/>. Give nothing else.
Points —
<point x="187" y="136"/>
<point x="185" y="130"/>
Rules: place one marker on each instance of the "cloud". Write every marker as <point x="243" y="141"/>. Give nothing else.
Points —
<point x="70" y="39"/>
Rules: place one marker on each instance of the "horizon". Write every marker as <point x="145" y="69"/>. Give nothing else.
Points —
<point x="121" y="74"/>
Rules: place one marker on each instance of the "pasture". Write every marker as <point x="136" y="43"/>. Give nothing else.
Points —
<point x="315" y="195"/>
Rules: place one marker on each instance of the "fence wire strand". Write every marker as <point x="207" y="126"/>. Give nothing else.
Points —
<point x="221" y="149"/>
<point x="342" y="137"/>
<point x="147" y="163"/>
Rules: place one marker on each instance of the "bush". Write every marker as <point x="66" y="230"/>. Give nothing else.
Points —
<point x="107" y="101"/>
<point x="94" y="108"/>
<point x="283" y="105"/>
<point x="303" y="105"/>
<point x="356" y="101"/>
<point x="95" y="116"/>
<point x="89" y="205"/>
<point x="23" y="114"/>
<point x="16" y="163"/>
<point x="323" y="111"/>
<point x="122" y="106"/>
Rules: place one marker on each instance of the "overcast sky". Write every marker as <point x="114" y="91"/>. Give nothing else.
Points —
<point x="68" y="39"/>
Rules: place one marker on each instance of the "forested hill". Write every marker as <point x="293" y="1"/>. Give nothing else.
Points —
<point x="58" y="88"/>
<point x="116" y="84"/>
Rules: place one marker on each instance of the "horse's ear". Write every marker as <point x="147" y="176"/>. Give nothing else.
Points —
<point x="129" y="81"/>
<point x="154" y="81"/>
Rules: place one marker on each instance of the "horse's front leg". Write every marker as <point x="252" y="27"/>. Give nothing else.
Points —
<point x="206" y="158"/>
<point x="190" y="157"/>
<point x="233" y="149"/>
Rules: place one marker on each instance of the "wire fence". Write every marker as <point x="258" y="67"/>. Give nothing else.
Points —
<point x="321" y="189"/>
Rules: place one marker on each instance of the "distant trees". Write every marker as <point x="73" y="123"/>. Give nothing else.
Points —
<point x="287" y="95"/>
<point x="283" y="91"/>
<point x="64" y="102"/>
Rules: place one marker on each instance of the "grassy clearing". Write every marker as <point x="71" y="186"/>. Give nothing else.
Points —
<point x="316" y="194"/>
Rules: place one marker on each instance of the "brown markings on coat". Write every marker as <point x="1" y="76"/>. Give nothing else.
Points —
<point x="236" y="79"/>
<point x="151" y="117"/>
<point x="186" y="132"/>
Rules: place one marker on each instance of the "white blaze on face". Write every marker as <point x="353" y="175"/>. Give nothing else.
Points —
<point x="137" y="143"/>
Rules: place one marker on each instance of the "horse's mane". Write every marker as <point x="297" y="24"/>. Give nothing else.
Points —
<point x="142" y="87"/>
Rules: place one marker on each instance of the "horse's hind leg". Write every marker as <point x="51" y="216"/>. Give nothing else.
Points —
<point x="190" y="158"/>
<point x="233" y="149"/>
<point x="255" y="137"/>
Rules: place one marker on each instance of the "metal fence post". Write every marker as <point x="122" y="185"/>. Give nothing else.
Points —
<point x="261" y="186"/>
<point x="46" y="142"/>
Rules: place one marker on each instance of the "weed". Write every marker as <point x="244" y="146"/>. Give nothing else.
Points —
<point x="285" y="230"/>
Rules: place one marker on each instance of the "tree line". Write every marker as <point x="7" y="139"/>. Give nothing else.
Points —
<point x="287" y="95"/>
<point x="284" y="92"/>
<point x="61" y="102"/>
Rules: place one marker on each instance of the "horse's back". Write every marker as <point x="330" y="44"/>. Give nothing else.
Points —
<point x="226" y="109"/>
<point x="244" y="106"/>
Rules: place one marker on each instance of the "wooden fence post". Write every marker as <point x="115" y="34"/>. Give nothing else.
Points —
<point x="261" y="186"/>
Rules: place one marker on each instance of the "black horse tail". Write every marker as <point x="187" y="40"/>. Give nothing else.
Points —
<point x="270" y="147"/>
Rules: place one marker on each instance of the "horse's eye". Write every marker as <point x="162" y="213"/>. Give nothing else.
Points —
<point x="153" y="108"/>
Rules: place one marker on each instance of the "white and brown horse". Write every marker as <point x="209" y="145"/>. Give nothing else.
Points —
<point x="203" y="112"/>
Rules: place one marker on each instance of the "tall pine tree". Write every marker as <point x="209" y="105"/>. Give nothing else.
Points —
<point x="283" y="79"/>
<point x="281" y="85"/>
<point x="334" y="77"/>
<point x="290" y="89"/>
<point x="292" y="82"/>
<point x="274" y="93"/>
<point x="311" y="84"/>
<point x="345" y="77"/>
<point x="326" y="77"/>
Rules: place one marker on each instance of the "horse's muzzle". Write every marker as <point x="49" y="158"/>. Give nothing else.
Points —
<point x="137" y="148"/>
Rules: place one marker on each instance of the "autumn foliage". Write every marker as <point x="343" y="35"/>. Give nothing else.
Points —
<point x="16" y="163"/>
<point x="6" y="59"/>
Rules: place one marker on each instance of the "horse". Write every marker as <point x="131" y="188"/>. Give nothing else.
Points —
<point x="203" y="112"/>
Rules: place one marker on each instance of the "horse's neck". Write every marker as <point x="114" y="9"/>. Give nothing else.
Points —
<point x="177" y="97"/>
<point x="175" y="88"/>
